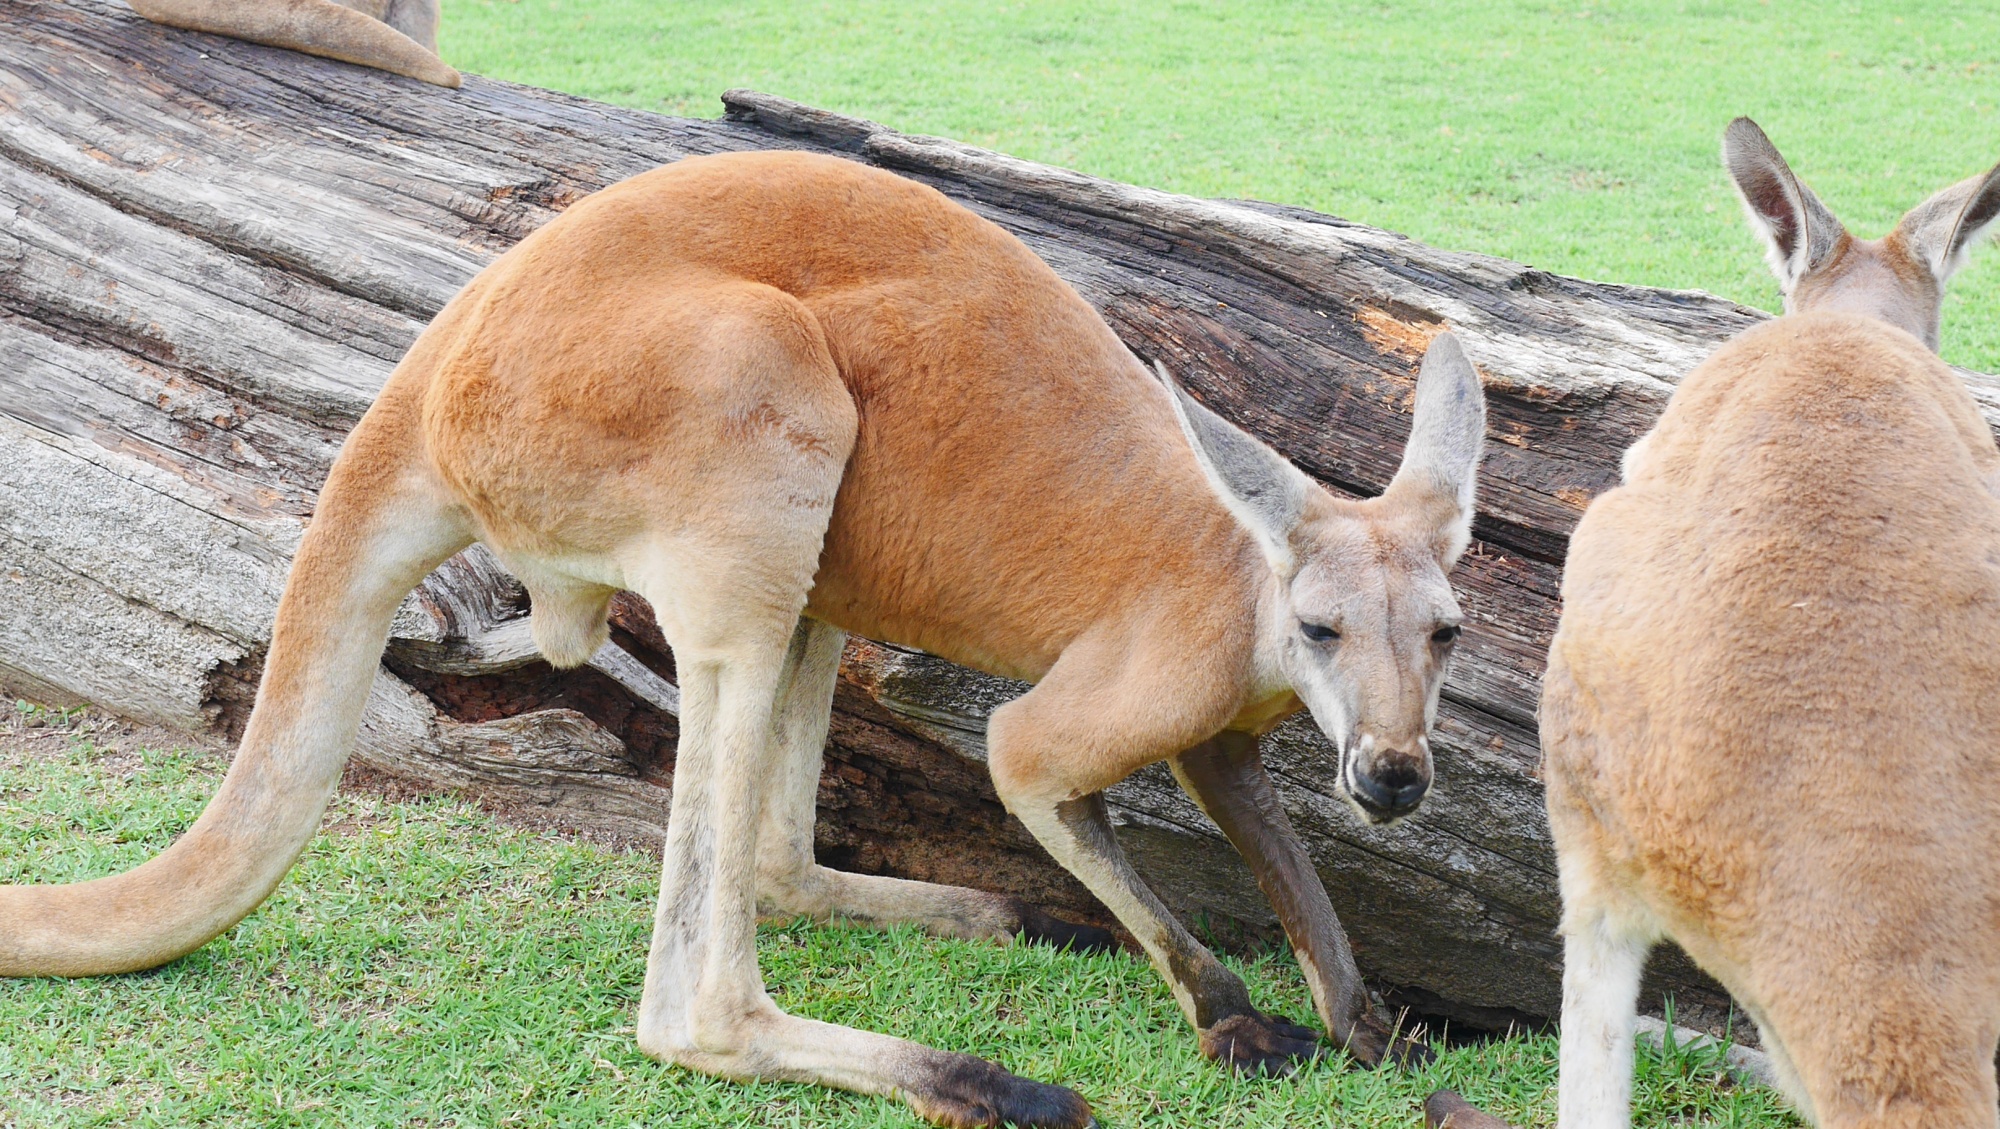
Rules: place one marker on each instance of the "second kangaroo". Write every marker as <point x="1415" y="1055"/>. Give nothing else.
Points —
<point x="1770" y="710"/>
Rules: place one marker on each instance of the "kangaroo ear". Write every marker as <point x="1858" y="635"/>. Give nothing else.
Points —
<point x="1441" y="463"/>
<point x="1942" y="229"/>
<point x="1266" y="493"/>
<point x="1798" y="232"/>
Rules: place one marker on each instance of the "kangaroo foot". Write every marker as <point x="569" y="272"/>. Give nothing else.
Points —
<point x="963" y="1092"/>
<point x="1369" y="1043"/>
<point x="1254" y="1043"/>
<point x="1041" y="928"/>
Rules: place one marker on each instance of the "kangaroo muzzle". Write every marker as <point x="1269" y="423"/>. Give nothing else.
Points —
<point x="1387" y="783"/>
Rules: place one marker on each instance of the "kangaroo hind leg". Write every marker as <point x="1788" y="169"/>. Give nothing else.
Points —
<point x="399" y="36"/>
<point x="728" y="576"/>
<point x="705" y="1006"/>
<point x="1865" y="1043"/>
<point x="1604" y="952"/>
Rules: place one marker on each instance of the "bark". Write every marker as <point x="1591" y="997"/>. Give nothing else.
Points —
<point x="212" y="254"/>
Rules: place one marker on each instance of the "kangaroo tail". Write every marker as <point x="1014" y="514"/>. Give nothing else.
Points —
<point x="316" y="27"/>
<point x="383" y="522"/>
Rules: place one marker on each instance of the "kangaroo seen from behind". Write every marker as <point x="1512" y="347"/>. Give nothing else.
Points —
<point x="785" y="397"/>
<point x="1771" y="708"/>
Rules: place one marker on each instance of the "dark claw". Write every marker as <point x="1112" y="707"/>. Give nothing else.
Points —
<point x="1292" y="1030"/>
<point x="963" y="1092"/>
<point x="1446" y="1110"/>
<point x="1039" y="928"/>
<point x="1369" y="1044"/>
<point x="1410" y="1054"/>
<point x="1260" y="1044"/>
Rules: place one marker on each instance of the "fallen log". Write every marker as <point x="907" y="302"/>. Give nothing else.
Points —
<point x="212" y="254"/>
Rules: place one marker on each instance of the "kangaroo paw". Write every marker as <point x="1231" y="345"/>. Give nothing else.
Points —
<point x="963" y="1092"/>
<point x="1253" y="1043"/>
<point x="1040" y="928"/>
<point x="1369" y="1043"/>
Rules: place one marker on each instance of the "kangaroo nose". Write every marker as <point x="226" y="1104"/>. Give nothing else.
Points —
<point x="1392" y="791"/>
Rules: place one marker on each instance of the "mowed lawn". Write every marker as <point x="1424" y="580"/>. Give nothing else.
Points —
<point x="1579" y="137"/>
<point x="424" y="966"/>
<point x="427" y="967"/>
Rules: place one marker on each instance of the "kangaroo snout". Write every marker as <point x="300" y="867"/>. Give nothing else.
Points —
<point x="1388" y="783"/>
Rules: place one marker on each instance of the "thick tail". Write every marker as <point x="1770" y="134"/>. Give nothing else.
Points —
<point x="316" y="27"/>
<point x="382" y="524"/>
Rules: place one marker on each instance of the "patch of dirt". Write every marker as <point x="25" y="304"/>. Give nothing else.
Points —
<point x="30" y="734"/>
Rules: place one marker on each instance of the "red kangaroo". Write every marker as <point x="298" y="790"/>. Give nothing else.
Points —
<point x="785" y="397"/>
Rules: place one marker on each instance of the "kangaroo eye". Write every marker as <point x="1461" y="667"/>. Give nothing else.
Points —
<point x="1444" y="636"/>
<point x="1318" y="632"/>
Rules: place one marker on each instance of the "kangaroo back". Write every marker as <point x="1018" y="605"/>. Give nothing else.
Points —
<point x="1767" y="713"/>
<point x="1018" y="474"/>
<point x="1803" y="565"/>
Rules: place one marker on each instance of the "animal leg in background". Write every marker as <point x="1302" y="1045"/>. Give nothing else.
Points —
<point x="791" y="883"/>
<point x="398" y="36"/>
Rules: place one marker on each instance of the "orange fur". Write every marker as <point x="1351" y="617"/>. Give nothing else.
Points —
<point x="965" y="524"/>
<point x="1769" y="711"/>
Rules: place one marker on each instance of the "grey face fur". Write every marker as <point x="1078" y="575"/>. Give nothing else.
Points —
<point x="1365" y="621"/>
<point x="1899" y="279"/>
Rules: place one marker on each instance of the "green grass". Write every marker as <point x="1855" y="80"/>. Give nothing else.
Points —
<point x="1580" y="137"/>
<point x="424" y="966"/>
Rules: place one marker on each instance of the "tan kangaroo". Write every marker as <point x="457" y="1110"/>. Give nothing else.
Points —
<point x="1772" y="711"/>
<point x="785" y="397"/>
<point x="399" y="36"/>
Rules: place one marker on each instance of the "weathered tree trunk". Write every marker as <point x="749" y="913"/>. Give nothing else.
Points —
<point x="212" y="254"/>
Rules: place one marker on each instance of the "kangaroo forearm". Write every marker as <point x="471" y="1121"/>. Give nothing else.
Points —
<point x="1226" y="777"/>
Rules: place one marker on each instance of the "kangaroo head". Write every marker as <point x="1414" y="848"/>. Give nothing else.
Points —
<point x="1362" y="621"/>
<point x="1898" y="278"/>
